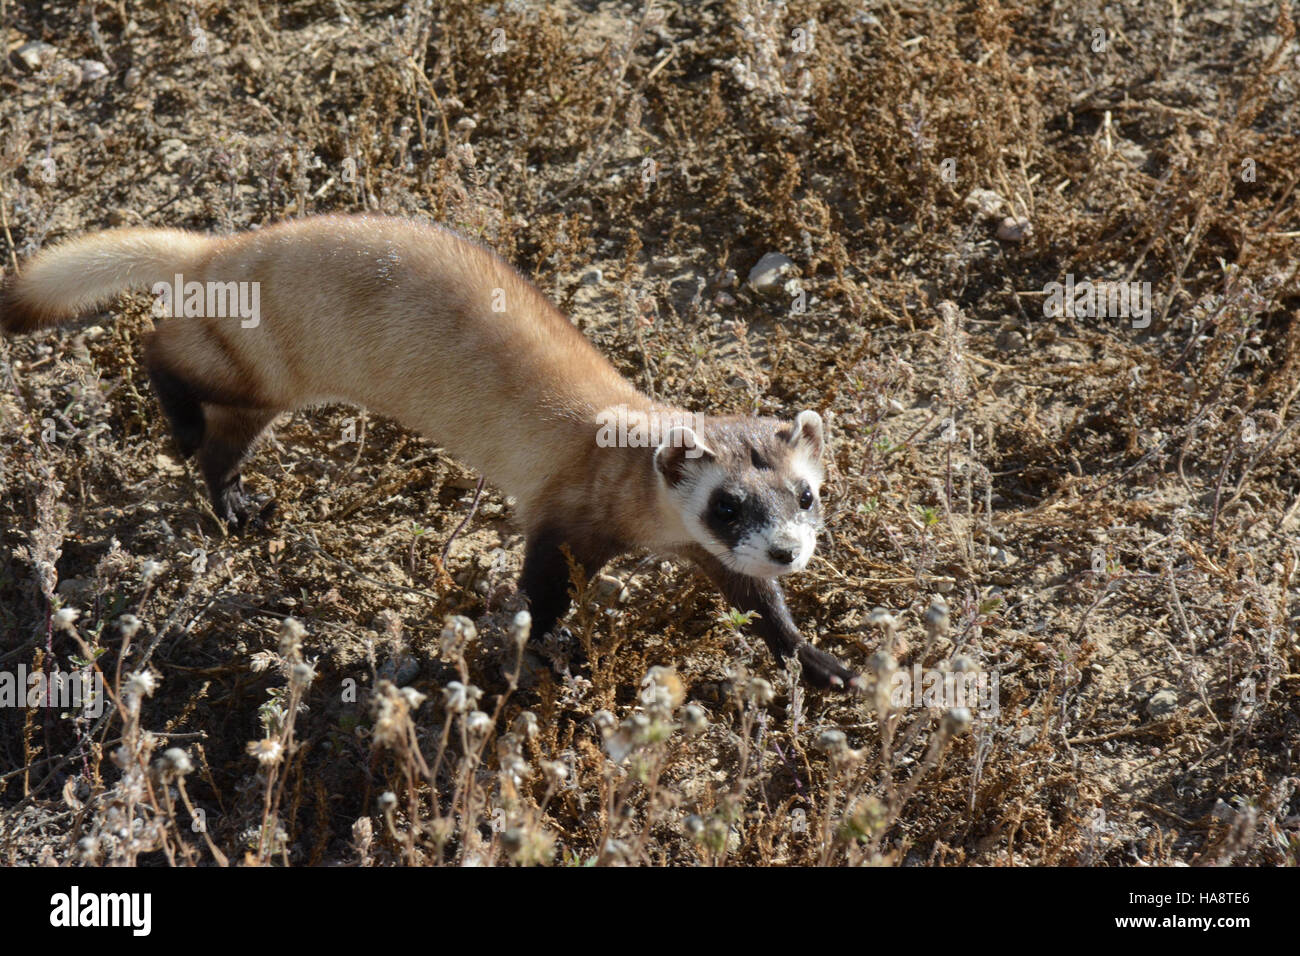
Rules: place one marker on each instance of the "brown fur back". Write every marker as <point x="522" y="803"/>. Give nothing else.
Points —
<point x="404" y="318"/>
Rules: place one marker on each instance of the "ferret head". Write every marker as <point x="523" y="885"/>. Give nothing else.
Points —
<point x="747" y="489"/>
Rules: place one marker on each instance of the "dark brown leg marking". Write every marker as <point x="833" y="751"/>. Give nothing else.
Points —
<point x="182" y="397"/>
<point x="183" y="409"/>
<point x="217" y="424"/>
<point x="774" y="623"/>
<point x="229" y="435"/>
<point x="545" y="578"/>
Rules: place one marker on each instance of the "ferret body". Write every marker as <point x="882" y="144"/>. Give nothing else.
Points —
<point x="442" y="335"/>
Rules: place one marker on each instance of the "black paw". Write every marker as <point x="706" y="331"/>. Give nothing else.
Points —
<point x="824" y="672"/>
<point x="563" y="651"/>
<point x="242" y="511"/>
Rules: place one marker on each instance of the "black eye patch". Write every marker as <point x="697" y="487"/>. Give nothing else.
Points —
<point x="758" y="461"/>
<point x="729" y="517"/>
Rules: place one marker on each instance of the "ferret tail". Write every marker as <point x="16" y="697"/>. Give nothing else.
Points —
<point x="72" y="278"/>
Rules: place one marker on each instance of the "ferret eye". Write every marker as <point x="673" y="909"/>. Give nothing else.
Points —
<point x="726" y="508"/>
<point x="806" y="498"/>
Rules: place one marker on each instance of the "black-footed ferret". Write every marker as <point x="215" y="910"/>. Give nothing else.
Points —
<point x="440" y="334"/>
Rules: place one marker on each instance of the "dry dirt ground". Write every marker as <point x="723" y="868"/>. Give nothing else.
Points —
<point x="1109" y="506"/>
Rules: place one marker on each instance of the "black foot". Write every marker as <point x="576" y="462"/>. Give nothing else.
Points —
<point x="564" y="652"/>
<point x="242" y="511"/>
<point x="824" y="671"/>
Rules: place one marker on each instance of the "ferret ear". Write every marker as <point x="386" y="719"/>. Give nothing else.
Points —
<point x="680" y="445"/>
<point x="807" y="433"/>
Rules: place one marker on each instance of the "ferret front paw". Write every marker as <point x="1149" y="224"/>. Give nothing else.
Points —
<point x="823" y="671"/>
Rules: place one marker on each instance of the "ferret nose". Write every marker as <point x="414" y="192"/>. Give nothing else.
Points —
<point x="781" y="555"/>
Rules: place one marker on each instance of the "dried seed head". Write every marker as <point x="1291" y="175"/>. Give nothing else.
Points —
<point x="555" y="771"/>
<point x="412" y="697"/>
<point x="387" y="802"/>
<point x="520" y="628"/>
<point x="759" y="692"/>
<point x="887" y="622"/>
<point x="631" y="734"/>
<point x="835" y="745"/>
<point x="882" y="665"/>
<point x="508" y="744"/>
<point x="457" y="632"/>
<point x="65" y="618"/>
<point x="363" y="834"/>
<point x="477" y="724"/>
<point x="525" y="724"/>
<point x="936" y="617"/>
<point x="141" y="684"/>
<point x="459" y="698"/>
<point x="302" y="674"/>
<point x="268" y="751"/>
<point x="515" y="768"/>
<point x="956" y="721"/>
<point x="291" y="636"/>
<point x="150" y="570"/>
<point x="88" y="849"/>
<point x="178" y="760"/>
<point x="129" y="624"/>
<point x="695" y="718"/>
<point x="662" y="687"/>
<point x="175" y="762"/>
